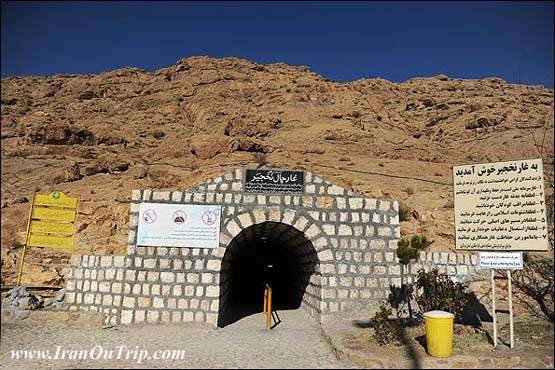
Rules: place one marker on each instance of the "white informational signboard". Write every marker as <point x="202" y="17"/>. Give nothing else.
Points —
<point x="179" y="225"/>
<point x="501" y="260"/>
<point x="500" y="206"/>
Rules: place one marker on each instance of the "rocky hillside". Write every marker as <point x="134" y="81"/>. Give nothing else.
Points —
<point x="100" y="136"/>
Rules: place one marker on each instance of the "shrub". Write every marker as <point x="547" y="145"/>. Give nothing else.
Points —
<point x="536" y="281"/>
<point x="386" y="331"/>
<point x="404" y="211"/>
<point x="260" y="159"/>
<point x="405" y="252"/>
<point x="419" y="242"/>
<point x="439" y="292"/>
<point x="409" y="250"/>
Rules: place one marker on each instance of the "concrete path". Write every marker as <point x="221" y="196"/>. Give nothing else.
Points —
<point x="295" y="343"/>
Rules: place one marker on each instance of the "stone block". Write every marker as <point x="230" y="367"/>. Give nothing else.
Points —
<point x="444" y="258"/>
<point x="104" y="287"/>
<point x="327" y="268"/>
<point x="326" y="255"/>
<point x="128" y="302"/>
<point x="384" y="205"/>
<point x="245" y="219"/>
<point x="199" y="291"/>
<point x="158" y="302"/>
<point x="312" y="231"/>
<point x="355" y="203"/>
<point x="126" y="316"/>
<point x="161" y="195"/>
<point x="107" y="300"/>
<point x="135" y="194"/>
<point x="232" y="228"/>
<point x="345" y="230"/>
<point x="301" y="223"/>
<point x="146" y="194"/>
<point x="139" y="316"/>
<point x="177" y="290"/>
<point x="341" y="203"/>
<point x="182" y="303"/>
<point x="143" y="302"/>
<point x="213" y="265"/>
<point x="259" y="215"/>
<point x="394" y="270"/>
<point x="307" y="201"/>
<point x="370" y="204"/>
<point x="176" y="316"/>
<point x="212" y="291"/>
<point x="153" y="316"/>
<point x="384" y="231"/>
<point x="336" y="190"/>
<point x="149" y="263"/>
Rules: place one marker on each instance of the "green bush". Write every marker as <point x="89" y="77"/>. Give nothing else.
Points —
<point x="405" y="252"/>
<point x="439" y="292"/>
<point x="409" y="250"/>
<point x="386" y="330"/>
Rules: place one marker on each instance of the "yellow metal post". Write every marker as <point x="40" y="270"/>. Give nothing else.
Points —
<point x="75" y="226"/>
<point x="265" y="301"/>
<point x="268" y="306"/>
<point x="26" y="240"/>
<point x="269" y="314"/>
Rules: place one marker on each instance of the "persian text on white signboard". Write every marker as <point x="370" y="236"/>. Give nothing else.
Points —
<point x="500" y="206"/>
<point x="501" y="260"/>
<point x="179" y="225"/>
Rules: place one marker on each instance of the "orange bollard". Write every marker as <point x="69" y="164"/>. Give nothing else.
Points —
<point x="265" y="301"/>
<point x="269" y="313"/>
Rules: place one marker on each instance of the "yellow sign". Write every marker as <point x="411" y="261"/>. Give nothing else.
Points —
<point x="51" y="228"/>
<point x="56" y="199"/>
<point x="48" y="241"/>
<point x="54" y="214"/>
<point x="51" y="223"/>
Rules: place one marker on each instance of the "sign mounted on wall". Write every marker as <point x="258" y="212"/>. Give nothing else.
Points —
<point x="274" y="181"/>
<point x="500" y="206"/>
<point x="501" y="260"/>
<point x="179" y="225"/>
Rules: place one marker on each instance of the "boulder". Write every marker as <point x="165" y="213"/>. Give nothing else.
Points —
<point x="60" y="295"/>
<point x="19" y="300"/>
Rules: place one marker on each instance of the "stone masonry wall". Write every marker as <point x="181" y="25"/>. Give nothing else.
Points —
<point x="355" y="239"/>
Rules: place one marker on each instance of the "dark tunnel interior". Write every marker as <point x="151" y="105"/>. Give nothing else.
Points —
<point x="267" y="253"/>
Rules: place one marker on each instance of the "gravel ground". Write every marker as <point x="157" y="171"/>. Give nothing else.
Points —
<point x="295" y="343"/>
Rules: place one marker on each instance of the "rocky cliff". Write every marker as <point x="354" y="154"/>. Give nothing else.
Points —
<point x="100" y="136"/>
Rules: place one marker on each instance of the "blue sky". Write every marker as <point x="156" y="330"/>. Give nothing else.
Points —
<point x="342" y="41"/>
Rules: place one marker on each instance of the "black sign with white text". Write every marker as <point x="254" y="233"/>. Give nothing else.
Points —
<point x="274" y="181"/>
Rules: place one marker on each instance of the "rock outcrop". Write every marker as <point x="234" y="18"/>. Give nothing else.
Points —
<point x="100" y="136"/>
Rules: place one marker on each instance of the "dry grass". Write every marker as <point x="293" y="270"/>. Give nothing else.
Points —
<point x="536" y="333"/>
<point x="465" y="339"/>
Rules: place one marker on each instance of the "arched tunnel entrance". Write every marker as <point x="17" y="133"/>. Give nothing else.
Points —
<point x="270" y="253"/>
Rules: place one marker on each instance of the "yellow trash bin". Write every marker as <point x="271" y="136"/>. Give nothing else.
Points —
<point x="439" y="333"/>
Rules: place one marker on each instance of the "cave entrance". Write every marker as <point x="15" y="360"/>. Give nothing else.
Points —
<point x="270" y="253"/>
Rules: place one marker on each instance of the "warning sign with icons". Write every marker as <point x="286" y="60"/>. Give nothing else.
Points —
<point x="179" y="225"/>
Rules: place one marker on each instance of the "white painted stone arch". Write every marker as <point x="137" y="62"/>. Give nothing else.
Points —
<point x="234" y="224"/>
